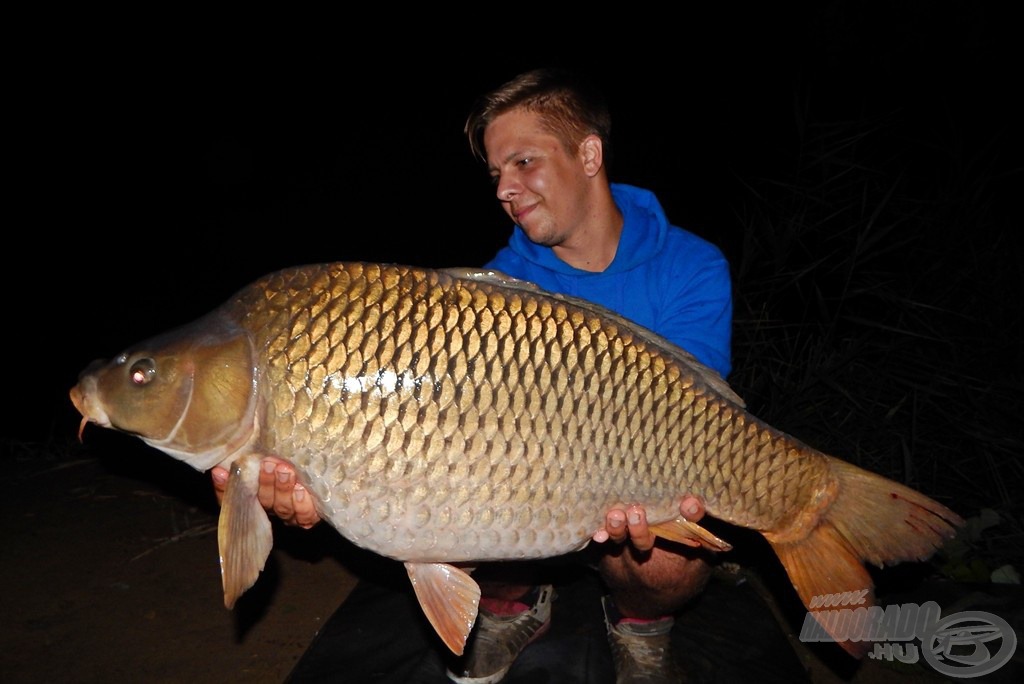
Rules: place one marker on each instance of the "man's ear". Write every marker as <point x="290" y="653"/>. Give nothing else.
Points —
<point x="592" y="154"/>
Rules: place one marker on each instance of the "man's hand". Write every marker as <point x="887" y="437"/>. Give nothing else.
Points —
<point x="631" y="523"/>
<point x="279" y="492"/>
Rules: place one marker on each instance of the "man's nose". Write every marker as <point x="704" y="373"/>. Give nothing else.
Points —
<point x="506" y="190"/>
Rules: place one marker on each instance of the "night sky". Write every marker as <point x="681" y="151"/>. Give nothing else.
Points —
<point x="156" y="175"/>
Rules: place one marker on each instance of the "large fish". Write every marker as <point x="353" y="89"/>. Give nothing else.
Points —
<point x="444" y="417"/>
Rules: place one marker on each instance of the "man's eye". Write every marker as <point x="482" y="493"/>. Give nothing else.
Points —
<point x="524" y="161"/>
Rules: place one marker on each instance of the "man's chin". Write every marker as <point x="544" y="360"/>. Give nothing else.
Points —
<point x="538" y="235"/>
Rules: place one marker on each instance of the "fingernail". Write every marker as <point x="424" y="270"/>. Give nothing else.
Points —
<point x="691" y="509"/>
<point x="299" y="494"/>
<point x="268" y="467"/>
<point x="634" y="518"/>
<point x="284" y="476"/>
<point x="616" y="523"/>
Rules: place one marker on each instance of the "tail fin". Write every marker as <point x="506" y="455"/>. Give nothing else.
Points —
<point x="872" y="519"/>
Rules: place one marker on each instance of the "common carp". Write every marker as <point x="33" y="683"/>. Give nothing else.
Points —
<point x="448" y="417"/>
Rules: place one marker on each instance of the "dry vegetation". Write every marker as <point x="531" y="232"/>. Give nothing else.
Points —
<point x="878" y="318"/>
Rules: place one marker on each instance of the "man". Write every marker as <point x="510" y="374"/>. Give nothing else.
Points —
<point x="545" y="137"/>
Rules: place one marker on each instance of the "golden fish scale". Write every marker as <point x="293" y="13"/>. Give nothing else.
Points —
<point x="442" y="418"/>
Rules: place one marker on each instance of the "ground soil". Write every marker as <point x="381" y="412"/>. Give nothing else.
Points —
<point x="110" y="573"/>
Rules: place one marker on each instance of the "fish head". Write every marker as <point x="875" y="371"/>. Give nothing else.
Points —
<point x="189" y="392"/>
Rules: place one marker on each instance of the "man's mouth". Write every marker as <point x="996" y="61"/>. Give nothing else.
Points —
<point x="519" y="212"/>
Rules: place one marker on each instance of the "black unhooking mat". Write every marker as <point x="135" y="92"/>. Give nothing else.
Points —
<point x="379" y="634"/>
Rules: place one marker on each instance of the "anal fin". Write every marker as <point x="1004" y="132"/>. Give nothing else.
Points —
<point x="683" y="531"/>
<point x="450" y="599"/>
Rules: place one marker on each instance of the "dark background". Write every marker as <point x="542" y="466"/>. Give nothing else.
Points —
<point x="858" y="162"/>
<point x="159" y="168"/>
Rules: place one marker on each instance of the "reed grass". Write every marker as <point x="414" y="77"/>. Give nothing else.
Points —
<point x="878" y="316"/>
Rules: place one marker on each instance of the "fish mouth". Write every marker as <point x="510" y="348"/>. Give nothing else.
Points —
<point x="91" y="412"/>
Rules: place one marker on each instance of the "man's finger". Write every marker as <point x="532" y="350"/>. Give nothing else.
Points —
<point x="267" y="484"/>
<point x="220" y="482"/>
<point x="615" y="525"/>
<point x="305" y="512"/>
<point x="284" y="489"/>
<point x="692" y="508"/>
<point x="639" y="533"/>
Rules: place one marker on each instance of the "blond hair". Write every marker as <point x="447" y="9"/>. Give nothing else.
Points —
<point x="569" y="106"/>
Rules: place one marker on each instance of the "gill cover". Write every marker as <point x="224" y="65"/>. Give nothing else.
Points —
<point x="189" y="391"/>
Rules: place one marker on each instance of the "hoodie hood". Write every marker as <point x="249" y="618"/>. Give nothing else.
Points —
<point x="663" y="278"/>
<point x="643" y="234"/>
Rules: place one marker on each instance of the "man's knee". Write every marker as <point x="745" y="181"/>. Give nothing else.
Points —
<point x="655" y="586"/>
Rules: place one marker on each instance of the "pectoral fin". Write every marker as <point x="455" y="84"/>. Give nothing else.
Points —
<point x="449" y="598"/>
<point x="683" y="531"/>
<point x="243" y="531"/>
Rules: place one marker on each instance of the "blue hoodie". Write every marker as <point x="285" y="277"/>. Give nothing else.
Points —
<point x="663" y="277"/>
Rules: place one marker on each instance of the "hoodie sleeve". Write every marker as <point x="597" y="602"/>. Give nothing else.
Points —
<point x="697" y="312"/>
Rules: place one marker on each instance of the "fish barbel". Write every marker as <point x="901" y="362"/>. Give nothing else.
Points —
<point x="452" y="416"/>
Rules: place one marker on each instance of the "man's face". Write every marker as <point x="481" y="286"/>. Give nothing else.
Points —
<point x="539" y="184"/>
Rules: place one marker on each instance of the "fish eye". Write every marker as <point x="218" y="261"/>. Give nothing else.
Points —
<point x="142" y="371"/>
